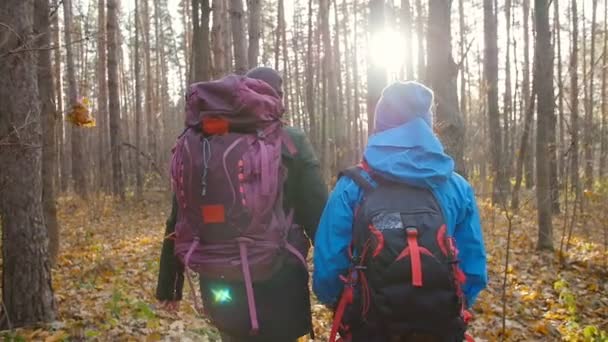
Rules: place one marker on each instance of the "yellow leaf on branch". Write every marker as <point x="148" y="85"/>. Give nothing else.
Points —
<point x="80" y="114"/>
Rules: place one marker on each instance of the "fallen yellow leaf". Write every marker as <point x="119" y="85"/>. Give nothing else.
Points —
<point x="56" y="337"/>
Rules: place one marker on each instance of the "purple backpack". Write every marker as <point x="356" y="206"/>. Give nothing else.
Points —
<point x="228" y="178"/>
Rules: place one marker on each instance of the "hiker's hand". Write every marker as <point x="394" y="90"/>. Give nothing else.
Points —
<point x="170" y="305"/>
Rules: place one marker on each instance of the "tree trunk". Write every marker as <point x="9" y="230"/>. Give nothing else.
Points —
<point x="48" y="119"/>
<point x="376" y="74"/>
<point x="357" y="100"/>
<point x="406" y="26"/>
<point x="218" y="33"/>
<point x="27" y="295"/>
<point x="336" y="94"/>
<point x="238" y="36"/>
<point x="420" y="35"/>
<point x="277" y="36"/>
<point x="139" y="179"/>
<point x="491" y="76"/>
<point x="462" y="47"/>
<point x="102" y="98"/>
<point x="162" y="90"/>
<point x="555" y="151"/>
<point x="525" y="145"/>
<point x="118" y="187"/>
<point x="286" y="72"/>
<point x="186" y="10"/>
<point x="574" y="93"/>
<point x="228" y="39"/>
<point x="310" y="79"/>
<point x="148" y="105"/>
<point x="351" y="120"/>
<point x="560" y="97"/>
<point x="507" y="98"/>
<point x="588" y="136"/>
<point x="61" y="185"/>
<point x="296" y="41"/>
<point x="254" y="9"/>
<point x="545" y="113"/>
<point x="200" y="22"/>
<point x="77" y="139"/>
<point x="442" y="72"/>
<point x="604" y="129"/>
<point x="528" y="161"/>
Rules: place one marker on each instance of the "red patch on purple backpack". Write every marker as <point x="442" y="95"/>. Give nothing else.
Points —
<point x="213" y="213"/>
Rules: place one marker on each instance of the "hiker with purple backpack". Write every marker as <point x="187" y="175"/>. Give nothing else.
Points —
<point x="248" y="195"/>
<point x="399" y="253"/>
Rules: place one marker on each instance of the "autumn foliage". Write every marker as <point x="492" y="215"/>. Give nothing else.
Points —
<point x="106" y="277"/>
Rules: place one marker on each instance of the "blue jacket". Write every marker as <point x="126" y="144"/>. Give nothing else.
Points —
<point x="411" y="154"/>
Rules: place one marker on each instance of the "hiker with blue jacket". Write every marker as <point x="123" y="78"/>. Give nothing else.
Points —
<point x="399" y="252"/>
<point x="248" y="195"/>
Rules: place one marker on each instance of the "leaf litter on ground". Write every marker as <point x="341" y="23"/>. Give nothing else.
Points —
<point x="107" y="270"/>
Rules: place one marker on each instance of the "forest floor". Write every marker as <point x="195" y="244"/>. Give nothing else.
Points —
<point x="106" y="276"/>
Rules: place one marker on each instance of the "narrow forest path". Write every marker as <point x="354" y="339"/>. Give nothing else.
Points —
<point x="106" y="278"/>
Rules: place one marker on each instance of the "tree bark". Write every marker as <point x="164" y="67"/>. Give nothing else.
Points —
<point x="574" y="93"/>
<point x="62" y="178"/>
<point x="200" y="21"/>
<point x="286" y="72"/>
<point x="528" y="161"/>
<point x="150" y="140"/>
<point x="254" y="9"/>
<point x="351" y="120"/>
<point x="604" y="130"/>
<point x="337" y="63"/>
<point x="491" y="76"/>
<point x="102" y="98"/>
<point x="463" y="71"/>
<point x="77" y="139"/>
<point x="139" y="179"/>
<point x="420" y="36"/>
<point x="228" y="39"/>
<point x="218" y="33"/>
<point x="48" y="119"/>
<point x="278" y="34"/>
<point x="545" y="113"/>
<point x="238" y="36"/>
<point x="406" y="26"/>
<point x="507" y="98"/>
<point x="376" y="74"/>
<point x="27" y="294"/>
<point x="560" y="97"/>
<point x="556" y="154"/>
<point x="525" y="147"/>
<point x="310" y="79"/>
<point x="118" y="186"/>
<point x="588" y="136"/>
<point x="442" y="72"/>
<point x="357" y="96"/>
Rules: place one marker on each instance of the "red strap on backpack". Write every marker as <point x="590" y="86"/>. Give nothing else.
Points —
<point x="345" y="300"/>
<point x="412" y="241"/>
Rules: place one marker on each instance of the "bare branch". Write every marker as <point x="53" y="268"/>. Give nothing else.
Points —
<point x="5" y="317"/>
<point x="24" y="48"/>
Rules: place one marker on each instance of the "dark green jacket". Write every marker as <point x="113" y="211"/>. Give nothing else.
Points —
<point x="305" y="192"/>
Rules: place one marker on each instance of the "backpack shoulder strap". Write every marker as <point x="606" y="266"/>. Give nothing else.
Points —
<point x="356" y="174"/>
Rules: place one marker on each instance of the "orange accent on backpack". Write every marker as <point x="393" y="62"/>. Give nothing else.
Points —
<point x="215" y="126"/>
<point x="213" y="214"/>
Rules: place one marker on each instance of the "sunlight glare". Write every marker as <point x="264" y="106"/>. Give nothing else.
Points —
<point x="388" y="49"/>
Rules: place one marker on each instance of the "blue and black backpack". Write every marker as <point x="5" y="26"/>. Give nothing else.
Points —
<point x="404" y="277"/>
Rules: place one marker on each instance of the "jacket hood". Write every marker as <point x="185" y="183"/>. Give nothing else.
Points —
<point x="411" y="154"/>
